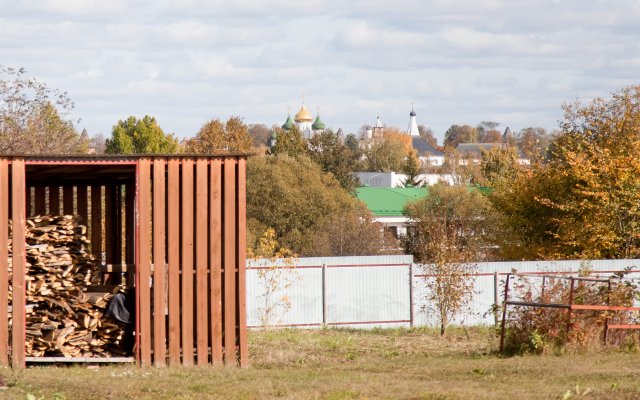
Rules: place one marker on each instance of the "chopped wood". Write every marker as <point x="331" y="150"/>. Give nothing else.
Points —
<point x="66" y="306"/>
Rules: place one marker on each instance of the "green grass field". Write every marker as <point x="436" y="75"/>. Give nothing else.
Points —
<point x="347" y="364"/>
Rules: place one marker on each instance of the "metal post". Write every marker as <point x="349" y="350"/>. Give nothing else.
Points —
<point x="544" y="281"/>
<point x="569" y="310"/>
<point x="504" y="311"/>
<point x="411" y="295"/>
<point x="606" y="319"/>
<point x="324" y="294"/>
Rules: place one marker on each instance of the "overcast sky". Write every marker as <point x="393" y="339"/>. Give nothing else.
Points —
<point x="186" y="62"/>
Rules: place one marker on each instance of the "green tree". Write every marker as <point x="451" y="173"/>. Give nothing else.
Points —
<point x="333" y="156"/>
<point x="299" y="201"/>
<point x="140" y="136"/>
<point x="35" y="119"/>
<point x="351" y="141"/>
<point x="216" y="136"/>
<point x="412" y="167"/>
<point x="449" y="236"/>
<point x="289" y="142"/>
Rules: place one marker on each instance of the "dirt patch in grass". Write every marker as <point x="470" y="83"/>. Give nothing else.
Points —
<point x="352" y="364"/>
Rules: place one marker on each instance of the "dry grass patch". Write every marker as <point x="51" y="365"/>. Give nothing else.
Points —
<point x="353" y="364"/>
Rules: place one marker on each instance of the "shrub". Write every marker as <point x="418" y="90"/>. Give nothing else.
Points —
<point x="542" y="329"/>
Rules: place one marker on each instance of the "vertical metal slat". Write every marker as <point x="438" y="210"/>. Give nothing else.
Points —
<point x="159" y="349"/>
<point x="18" y="207"/>
<point x="144" y="260"/>
<point x="230" y="264"/>
<point x="242" y="249"/>
<point x="187" y="262"/>
<point x="173" y="258"/>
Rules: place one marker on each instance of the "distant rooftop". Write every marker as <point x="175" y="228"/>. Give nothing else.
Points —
<point x="425" y="148"/>
<point x="389" y="202"/>
<point x="475" y="148"/>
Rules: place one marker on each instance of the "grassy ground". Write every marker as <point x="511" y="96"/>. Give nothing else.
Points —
<point x="343" y="364"/>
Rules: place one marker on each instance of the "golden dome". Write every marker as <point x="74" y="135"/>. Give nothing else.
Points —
<point x="303" y="115"/>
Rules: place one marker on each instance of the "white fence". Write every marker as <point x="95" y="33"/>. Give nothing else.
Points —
<point x="350" y="291"/>
<point x="383" y="291"/>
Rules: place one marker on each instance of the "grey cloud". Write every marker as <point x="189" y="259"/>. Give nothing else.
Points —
<point x="189" y="61"/>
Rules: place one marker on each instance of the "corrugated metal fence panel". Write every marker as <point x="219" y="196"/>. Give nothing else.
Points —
<point x="369" y="295"/>
<point x="479" y="310"/>
<point x="304" y="294"/>
<point x="477" y="313"/>
<point x="368" y="291"/>
<point x="363" y="289"/>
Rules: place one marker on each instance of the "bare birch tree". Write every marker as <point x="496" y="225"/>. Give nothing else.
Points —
<point x="35" y="119"/>
<point x="449" y="236"/>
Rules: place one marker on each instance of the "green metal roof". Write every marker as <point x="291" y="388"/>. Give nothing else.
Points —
<point x="389" y="202"/>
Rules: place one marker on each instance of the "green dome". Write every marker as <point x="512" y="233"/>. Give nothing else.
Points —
<point x="318" y="125"/>
<point x="288" y="124"/>
<point x="272" y="140"/>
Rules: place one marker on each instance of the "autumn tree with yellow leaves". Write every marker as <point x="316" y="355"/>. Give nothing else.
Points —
<point x="276" y="274"/>
<point x="585" y="202"/>
<point x="217" y="136"/>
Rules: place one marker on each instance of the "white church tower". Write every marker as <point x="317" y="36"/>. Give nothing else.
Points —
<point x="304" y="121"/>
<point x="413" y="125"/>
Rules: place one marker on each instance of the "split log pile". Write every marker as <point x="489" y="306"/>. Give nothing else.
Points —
<point x="64" y="318"/>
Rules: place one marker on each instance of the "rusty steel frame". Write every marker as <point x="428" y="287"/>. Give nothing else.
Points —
<point x="570" y="307"/>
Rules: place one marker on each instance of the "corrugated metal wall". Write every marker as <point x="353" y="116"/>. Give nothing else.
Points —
<point x="336" y="291"/>
<point x="189" y="240"/>
<point x="190" y="260"/>
<point x="376" y="291"/>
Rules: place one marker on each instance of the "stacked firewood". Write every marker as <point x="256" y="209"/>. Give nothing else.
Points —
<point x="65" y="314"/>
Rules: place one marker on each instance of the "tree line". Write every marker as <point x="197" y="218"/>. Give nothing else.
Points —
<point x="302" y="192"/>
<point x="578" y="198"/>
